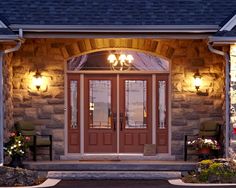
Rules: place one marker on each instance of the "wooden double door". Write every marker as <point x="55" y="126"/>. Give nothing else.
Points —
<point x="117" y="111"/>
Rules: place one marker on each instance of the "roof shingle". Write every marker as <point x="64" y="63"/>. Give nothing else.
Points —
<point x="117" y="12"/>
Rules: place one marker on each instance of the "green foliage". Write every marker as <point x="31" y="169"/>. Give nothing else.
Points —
<point x="204" y="164"/>
<point x="216" y="170"/>
<point x="17" y="144"/>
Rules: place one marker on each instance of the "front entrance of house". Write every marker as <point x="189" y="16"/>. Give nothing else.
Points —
<point x="117" y="111"/>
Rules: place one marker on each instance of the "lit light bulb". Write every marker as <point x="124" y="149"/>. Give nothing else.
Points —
<point x="129" y="58"/>
<point x="37" y="80"/>
<point x="197" y="82"/>
<point x="122" y="58"/>
<point x="112" y="58"/>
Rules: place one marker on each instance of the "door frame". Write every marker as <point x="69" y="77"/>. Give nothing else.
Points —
<point x="82" y="73"/>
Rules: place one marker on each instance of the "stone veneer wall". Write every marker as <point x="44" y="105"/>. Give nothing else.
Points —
<point x="46" y="108"/>
<point x="232" y="135"/>
<point x="7" y="93"/>
<point x="188" y="108"/>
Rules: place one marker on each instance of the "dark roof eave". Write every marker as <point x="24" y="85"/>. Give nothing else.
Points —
<point x="222" y="39"/>
<point x="9" y="37"/>
<point x="117" y="28"/>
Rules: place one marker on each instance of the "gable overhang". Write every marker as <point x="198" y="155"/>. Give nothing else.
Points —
<point x="2" y="25"/>
<point x="229" y="25"/>
<point x="106" y="31"/>
<point x="6" y="34"/>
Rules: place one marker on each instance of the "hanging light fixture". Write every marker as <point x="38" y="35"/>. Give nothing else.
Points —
<point x="37" y="80"/>
<point x="120" y="61"/>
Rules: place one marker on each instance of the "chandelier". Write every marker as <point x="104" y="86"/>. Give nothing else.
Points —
<point x="120" y="61"/>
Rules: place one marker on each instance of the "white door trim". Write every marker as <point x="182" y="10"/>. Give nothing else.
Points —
<point x="117" y="112"/>
<point x="82" y="113"/>
<point x="154" y="86"/>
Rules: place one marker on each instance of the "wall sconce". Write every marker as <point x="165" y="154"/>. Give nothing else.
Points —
<point x="37" y="80"/>
<point x="119" y="61"/>
<point x="197" y="80"/>
<point x="197" y="83"/>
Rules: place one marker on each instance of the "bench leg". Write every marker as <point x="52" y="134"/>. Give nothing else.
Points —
<point x="50" y="148"/>
<point x="34" y="153"/>
<point x="185" y="148"/>
<point x="34" y="147"/>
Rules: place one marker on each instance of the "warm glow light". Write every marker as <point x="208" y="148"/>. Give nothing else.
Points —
<point x="122" y="58"/>
<point x="37" y="80"/>
<point x="233" y="50"/>
<point x="111" y="58"/>
<point x="91" y="106"/>
<point x="129" y="58"/>
<point x="120" y="61"/>
<point x="197" y="80"/>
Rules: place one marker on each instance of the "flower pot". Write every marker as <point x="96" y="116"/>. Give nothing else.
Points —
<point x="234" y="130"/>
<point x="204" y="151"/>
<point x="16" y="161"/>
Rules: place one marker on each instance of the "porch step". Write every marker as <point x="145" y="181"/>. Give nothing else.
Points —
<point x="111" y="166"/>
<point x="109" y="175"/>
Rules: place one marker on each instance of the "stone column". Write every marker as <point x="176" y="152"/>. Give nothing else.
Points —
<point x="232" y="133"/>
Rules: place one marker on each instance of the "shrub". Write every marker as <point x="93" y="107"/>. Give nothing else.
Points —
<point x="215" y="171"/>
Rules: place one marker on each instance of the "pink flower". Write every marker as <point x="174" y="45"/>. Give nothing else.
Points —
<point x="27" y="138"/>
<point x="12" y="134"/>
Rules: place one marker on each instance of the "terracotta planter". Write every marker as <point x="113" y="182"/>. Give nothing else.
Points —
<point x="204" y="153"/>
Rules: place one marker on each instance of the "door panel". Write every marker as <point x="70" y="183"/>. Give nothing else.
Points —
<point x="135" y="113"/>
<point x="73" y="113"/>
<point x="162" y="117"/>
<point x="100" y="107"/>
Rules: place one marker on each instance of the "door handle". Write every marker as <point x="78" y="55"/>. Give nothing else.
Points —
<point x="121" y="121"/>
<point x="114" y="121"/>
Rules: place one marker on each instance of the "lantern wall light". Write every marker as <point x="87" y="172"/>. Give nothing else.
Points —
<point x="37" y="80"/>
<point x="197" y="83"/>
<point x="120" y="61"/>
<point x="197" y="80"/>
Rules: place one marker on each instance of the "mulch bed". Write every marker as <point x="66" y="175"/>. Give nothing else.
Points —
<point x="20" y="177"/>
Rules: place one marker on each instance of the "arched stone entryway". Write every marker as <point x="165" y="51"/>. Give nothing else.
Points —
<point x="87" y="46"/>
<point x="159" y="48"/>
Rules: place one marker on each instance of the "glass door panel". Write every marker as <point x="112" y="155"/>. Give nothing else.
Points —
<point x="135" y="104"/>
<point x="100" y="104"/>
<point x="99" y="113"/>
<point x="73" y="113"/>
<point x="135" y="113"/>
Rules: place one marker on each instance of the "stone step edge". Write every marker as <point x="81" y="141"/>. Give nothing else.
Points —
<point x="111" y="167"/>
<point x="148" y="175"/>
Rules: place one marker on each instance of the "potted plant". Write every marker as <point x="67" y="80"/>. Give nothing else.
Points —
<point x="16" y="148"/>
<point x="204" y="145"/>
